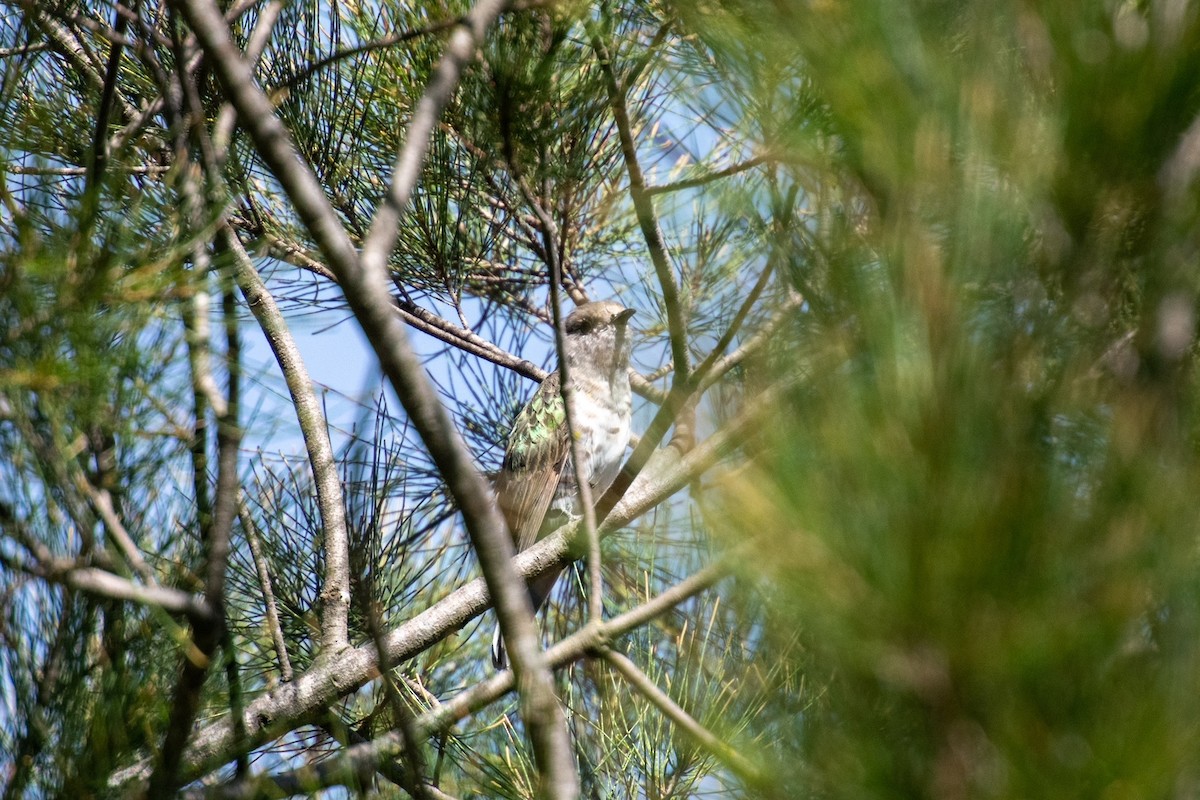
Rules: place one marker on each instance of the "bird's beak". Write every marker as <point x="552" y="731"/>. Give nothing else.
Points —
<point x="624" y="316"/>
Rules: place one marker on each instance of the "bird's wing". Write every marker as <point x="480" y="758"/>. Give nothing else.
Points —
<point x="533" y="462"/>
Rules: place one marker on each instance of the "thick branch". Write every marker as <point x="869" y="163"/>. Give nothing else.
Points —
<point x="362" y="759"/>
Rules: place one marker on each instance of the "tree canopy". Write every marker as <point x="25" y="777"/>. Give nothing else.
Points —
<point x="910" y="505"/>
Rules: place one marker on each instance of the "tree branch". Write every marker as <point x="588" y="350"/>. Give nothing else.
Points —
<point x="101" y="502"/>
<point x="702" y="180"/>
<point x="207" y="634"/>
<point x="335" y="590"/>
<point x="268" y="592"/>
<point x="685" y="721"/>
<point x="282" y="708"/>
<point x="736" y="323"/>
<point x="102" y="583"/>
<point x="362" y="759"/>
<point x="567" y="390"/>
<point x="643" y="206"/>
<point x="761" y="338"/>
<point x="364" y="283"/>
<point x="460" y="50"/>
<point x="442" y="329"/>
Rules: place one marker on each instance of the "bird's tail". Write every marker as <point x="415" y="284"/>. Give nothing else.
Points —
<point x="499" y="657"/>
<point x="539" y="590"/>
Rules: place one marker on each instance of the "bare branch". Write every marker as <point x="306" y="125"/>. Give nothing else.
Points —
<point x="364" y="284"/>
<point x="702" y="180"/>
<point x="227" y="116"/>
<point x="567" y="390"/>
<point x="759" y="340"/>
<point x="207" y="634"/>
<point x="412" y="772"/>
<point x="284" y="707"/>
<point x="393" y="39"/>
<point x="420" y="318"/>
<point x="460" y="50"/>
<point x="335" y="591"/>
<point x="643" y="206"/>
<point x="446" y="331"/>
<point x="443" y="330"/>
<point x="264" y="580"/>
<point x="101" y="502"/>
<point x="145" y="169"/>
<point x="736" y="323"/>
<point x="105" y="584"/>
<point x="353" y="769"/>
<point x="107" y="96"/>
<point x="407" y="172"/>
<point x="33" y="740"/>
<point x="64" y="40"/>
<point x="367" y="757"/>
<point x="572" y="648"/>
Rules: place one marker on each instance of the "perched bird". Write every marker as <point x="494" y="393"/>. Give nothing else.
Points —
<point x="537" y="486"/>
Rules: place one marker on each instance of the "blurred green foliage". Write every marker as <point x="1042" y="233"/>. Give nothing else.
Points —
<point x="979" y="507"/>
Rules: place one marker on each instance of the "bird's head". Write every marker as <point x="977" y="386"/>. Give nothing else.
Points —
<point x="597" y="334"/>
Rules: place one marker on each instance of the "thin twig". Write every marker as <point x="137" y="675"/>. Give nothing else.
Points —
<point x="417" y="317"/>
<point x="761" y="338"/>
<point x="702" y="180"/>
<point x="413" y="769"/>
<point x="72" y="50"/>
<point x="442" y="329"/>
<point x="99" y="150"/>
<point x="24" y="50"/>
<point x="207" y="634"/>
<point x="264" y="580"/>
<point x="268" y="15"/>
<point x="446" y="331"/>
<point x="291" y="81"/>
<point x="24" y="755"/>
<point x="685" y="721"/>
<point x="736" y="323"/>
<point x="647" y="218"/>
<point x="567" y="390"/>
<point x="354" y="770"/>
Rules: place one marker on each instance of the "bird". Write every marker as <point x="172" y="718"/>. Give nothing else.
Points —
<point x="537" y="487"/>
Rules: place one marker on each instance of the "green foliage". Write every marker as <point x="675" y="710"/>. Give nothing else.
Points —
<point x="978" y="509"/>
<point x="965" y="538"/>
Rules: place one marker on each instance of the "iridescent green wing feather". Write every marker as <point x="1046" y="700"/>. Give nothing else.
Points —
<point x="533" y="461"/>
